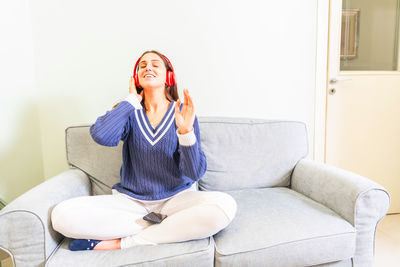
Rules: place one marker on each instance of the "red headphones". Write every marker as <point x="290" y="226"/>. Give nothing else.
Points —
<point x="170" y="74"/>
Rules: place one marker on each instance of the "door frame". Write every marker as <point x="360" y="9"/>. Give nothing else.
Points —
<point x="321" y="79"/>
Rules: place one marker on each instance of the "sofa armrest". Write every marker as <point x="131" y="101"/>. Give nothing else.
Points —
<point x="25" y="227"/>
<point x="359" y="200"/>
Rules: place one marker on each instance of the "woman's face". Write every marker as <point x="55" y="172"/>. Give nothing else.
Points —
<point x="152" y="71"/>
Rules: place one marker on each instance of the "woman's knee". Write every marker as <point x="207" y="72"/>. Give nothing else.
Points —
<point x="224" y="201"/>
<point x="68" y="216"/>
<point x="61" y="214"/>
<point x="97" y="217"/>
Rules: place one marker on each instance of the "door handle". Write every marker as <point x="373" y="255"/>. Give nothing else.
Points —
<point x="335" y="80"/>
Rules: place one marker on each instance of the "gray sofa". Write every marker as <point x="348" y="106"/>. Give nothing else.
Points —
<point x="292" y="211"/>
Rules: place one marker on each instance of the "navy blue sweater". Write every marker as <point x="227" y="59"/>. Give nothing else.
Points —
<point x="157" y="162"/>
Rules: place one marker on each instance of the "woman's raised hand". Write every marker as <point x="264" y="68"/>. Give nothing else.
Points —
<point x="184" y="118"/>
<point x="132" y="89"/>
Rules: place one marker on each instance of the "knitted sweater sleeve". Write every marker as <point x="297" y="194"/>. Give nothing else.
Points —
<point x="192" y="160"/>
<point x="115" y="125"/>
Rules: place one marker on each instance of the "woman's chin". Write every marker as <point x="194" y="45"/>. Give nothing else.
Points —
<point x="151" y="86"/>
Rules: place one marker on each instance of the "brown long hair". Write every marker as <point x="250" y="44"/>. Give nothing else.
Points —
<point x="171" y="92"/>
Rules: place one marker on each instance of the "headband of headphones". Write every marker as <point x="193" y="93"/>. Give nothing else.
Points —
<point x="170" y="80"/>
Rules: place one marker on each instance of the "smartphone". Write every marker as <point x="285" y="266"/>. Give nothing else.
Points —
<point x="154" y="217"/>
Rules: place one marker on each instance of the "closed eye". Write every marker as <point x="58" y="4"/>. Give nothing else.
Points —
<point x="154" y="65"/>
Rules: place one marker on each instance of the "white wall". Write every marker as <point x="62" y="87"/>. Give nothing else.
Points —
<point x="237" y="58"/>
<point x="21" y="163"/>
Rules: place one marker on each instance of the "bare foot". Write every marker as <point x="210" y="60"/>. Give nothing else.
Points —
<point x="108" y="244"/>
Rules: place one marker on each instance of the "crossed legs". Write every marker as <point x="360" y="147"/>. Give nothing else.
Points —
<point x="191" y="215"/>
<point x="118" y="221"/>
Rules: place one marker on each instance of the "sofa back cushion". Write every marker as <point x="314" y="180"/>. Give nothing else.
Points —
<point x="250" y="153"/>
<point x="240" y="152"/>
<point x="101" y="163"/>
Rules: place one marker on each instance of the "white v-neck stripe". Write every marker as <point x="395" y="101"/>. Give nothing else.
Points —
<point x="163" y="133"/>
<point x="145" y="123"/>
<point x="166" y="118"/>
<point x="161" y="126"/>
<point x="141" y="126"/>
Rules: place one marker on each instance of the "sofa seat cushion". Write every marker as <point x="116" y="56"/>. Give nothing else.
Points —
<point x="200" y="251"/>
<point x="280" y="227"/>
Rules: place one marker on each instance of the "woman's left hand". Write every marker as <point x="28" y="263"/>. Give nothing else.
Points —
<point x="184" y="118"/>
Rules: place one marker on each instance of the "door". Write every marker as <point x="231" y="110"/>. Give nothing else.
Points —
<point x="363" y="99"/>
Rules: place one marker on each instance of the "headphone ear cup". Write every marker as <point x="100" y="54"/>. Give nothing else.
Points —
<point x="173" y="78"/>
<point x="136" y="80"/>
<point x="170" y="78"/>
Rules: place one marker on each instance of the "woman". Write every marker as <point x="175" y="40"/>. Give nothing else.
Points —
<point x="162" y="160"/>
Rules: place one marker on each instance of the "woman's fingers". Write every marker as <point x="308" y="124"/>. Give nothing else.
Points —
<point x="178" y="104"/>
<point x="140" y="96"/>
<point x="132" y="87"/>
<point x="190" y="103"/>
<point x="185" y="93"/>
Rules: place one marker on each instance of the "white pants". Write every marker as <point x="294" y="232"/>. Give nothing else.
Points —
<point x="191" y="214"/>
